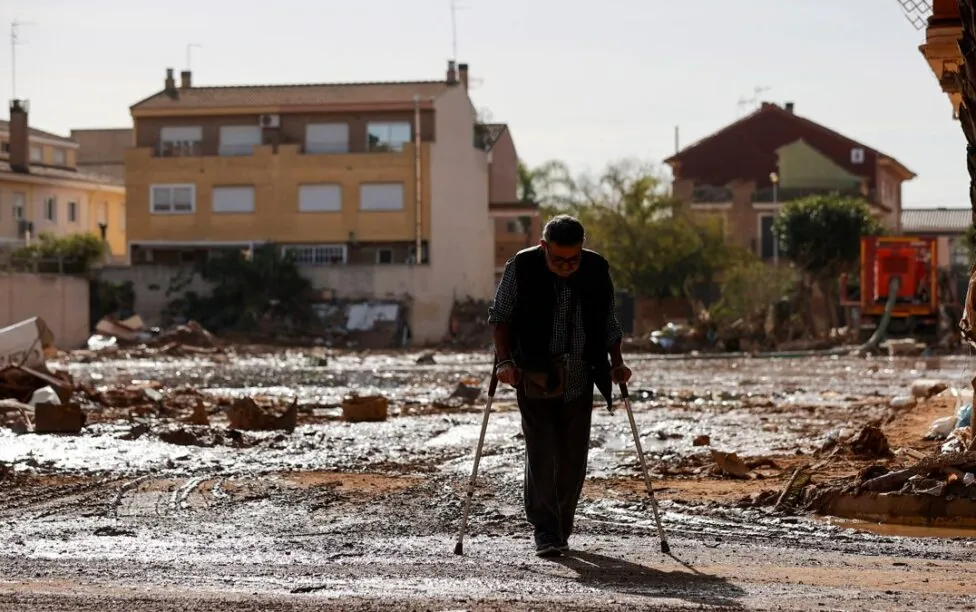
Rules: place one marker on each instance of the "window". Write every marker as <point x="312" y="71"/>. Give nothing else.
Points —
<point x="387" y="136"/>
<point x="327" y="138"/>
<point x="319" y="198"/>
<point x="59" y="158"/>
<point x="172" y="199"/>
<point x="51" y="209"/>
<point x="384" y="256"/>
<point x="176" y="141"/>
<point x="381" y="196"/>
<point x="239" y="139"/>
<point x="317" y="254"/>
<point x="513" y="227"/>
<point x="5" y="147"/>
<point x="857" y="155"/>
<point x="233" y="199"/>
<point x="424" y="254"/>
<point x="768" y="248"/>
<point x="36" y="154"/>
<point x="73" y="212"/>
<point x="20" y="203"/>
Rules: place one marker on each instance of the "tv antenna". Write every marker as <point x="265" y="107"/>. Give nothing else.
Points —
<point x="917" y="12"/>
<point x="189" y="48"/>
<point x="751" y="103"/>
<point x="15" y="41"/>
<point x="455" y="7"/>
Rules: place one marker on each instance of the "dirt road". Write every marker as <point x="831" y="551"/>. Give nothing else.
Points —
<point x="340" y="516"/>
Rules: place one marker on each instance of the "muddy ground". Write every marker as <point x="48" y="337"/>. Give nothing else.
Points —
<point x="360" y="516"/>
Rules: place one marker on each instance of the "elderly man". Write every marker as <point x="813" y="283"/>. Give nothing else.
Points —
<point x="554" y="326"/>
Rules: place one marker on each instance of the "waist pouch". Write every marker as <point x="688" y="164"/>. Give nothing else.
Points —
<point x="545" y="385"/>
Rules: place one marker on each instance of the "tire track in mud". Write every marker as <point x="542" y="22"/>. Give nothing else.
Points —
<point x="48" y="499"/>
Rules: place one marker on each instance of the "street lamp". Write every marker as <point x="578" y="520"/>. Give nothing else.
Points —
<point x="774" y="179"/>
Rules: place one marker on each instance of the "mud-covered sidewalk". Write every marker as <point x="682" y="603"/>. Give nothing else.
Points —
<point x="347" y="516"/>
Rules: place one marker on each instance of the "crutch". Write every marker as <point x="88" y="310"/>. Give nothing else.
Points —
<point x="665" y="548"/>
<point x="459" y="547"/>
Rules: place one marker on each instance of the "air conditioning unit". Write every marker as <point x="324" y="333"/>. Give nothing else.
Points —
<point x="269" y="121"/>
<point x="25" y="227"/>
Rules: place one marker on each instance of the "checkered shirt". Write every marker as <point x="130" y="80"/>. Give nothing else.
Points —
<point x="577" y="373"/>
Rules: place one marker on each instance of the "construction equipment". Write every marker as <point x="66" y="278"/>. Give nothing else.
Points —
<point x="921" y="295"/>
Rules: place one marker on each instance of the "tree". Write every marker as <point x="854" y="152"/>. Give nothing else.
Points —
<point x="549" y="184"/>
<point x="74" y="253"/>
<point x="821" y="234"/>
<point x="630" y="219"/>
<point x="263" y="290"/>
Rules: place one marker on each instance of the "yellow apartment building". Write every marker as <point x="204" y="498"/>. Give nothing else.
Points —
<point x="42" y="190"/>
<point x="355" y="179"/>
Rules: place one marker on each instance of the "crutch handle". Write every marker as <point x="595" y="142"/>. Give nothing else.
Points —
<point x="493" y="384"/>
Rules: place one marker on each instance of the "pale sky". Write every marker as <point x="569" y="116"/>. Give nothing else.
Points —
<point x="587" y="83"/>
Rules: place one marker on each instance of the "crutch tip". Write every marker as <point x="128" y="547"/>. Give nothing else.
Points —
<point x="459" y="549"/>
<point x="664" y="548"/>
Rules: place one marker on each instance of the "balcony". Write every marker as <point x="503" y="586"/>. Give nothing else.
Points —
<point x="178" y="148"/>
<point x="711" y="194"/>
<point x="768" y="195"/>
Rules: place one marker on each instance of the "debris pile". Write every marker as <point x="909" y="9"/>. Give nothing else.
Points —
<point x="130" y="339"/>
<point x="469" y="324"/>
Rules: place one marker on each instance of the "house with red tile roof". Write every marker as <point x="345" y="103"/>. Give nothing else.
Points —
<point x="744" y="173"/>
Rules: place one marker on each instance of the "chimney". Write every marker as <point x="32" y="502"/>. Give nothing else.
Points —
<point x="19" y="136"/>
<point x="463" y="72"/>
<point x="452" y="73"/>
<point x="789" y="107"/>
<point x="169" y="86"/>
<point x="186" y="79"/>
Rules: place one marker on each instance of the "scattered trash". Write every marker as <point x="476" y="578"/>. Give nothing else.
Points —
<point x="903" y="401"/>
<point x="925" y="388"/>
<point x="730" y="464"/>
<point x="58" y="418"/>
<point x="941" y="428"/>
<point x="903" y="347"/>
<point x="246" y="414"/>
<point x="358" y="409"/>
<point x="964" y="415"/>
<point x="870" y="442"/>
<point x="426" y="359"/>
<point x="24" y="343"/>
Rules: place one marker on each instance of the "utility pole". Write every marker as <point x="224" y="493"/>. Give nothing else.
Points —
<point x="15" y="41"/>
<point x="190" y="48"/>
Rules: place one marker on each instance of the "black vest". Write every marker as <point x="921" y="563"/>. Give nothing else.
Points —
<point x="531" y="328"/>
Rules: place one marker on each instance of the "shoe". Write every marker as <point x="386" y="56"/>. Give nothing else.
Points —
<point x="564" y="547"/>
<point x="548" y="550"/>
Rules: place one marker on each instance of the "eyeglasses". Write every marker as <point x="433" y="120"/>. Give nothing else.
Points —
<point x="563" y="263"/>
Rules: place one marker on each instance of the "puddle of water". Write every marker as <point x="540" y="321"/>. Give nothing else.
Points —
<point x="905" y="531"/>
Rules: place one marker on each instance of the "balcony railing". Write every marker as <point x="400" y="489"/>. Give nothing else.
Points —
<point x="242" y="150"/>
<point x="178" y="148"/>
<point x="711" y="194"/>
<point x="780" y="194"/>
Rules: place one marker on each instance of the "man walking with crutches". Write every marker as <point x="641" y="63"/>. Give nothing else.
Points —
<point x="554" y="327"/>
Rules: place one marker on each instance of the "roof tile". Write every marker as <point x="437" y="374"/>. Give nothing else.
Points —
<point x="294" y="95"/>
<point x="936" y="220"/>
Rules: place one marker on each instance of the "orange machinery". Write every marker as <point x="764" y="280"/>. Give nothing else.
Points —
<point x="914" y="260"/>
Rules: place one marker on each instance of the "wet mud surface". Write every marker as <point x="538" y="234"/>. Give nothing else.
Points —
<point x="360" y="516"/>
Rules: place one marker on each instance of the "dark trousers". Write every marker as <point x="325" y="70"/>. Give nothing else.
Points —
<point x="557" y="442"/>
